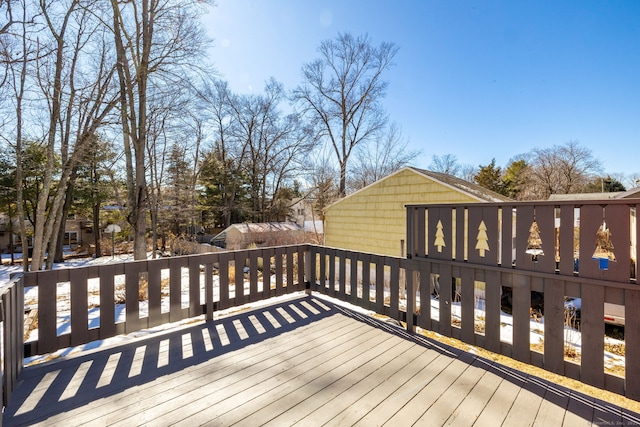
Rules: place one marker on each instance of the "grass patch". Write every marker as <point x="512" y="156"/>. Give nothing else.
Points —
<point x="617" y="348"/>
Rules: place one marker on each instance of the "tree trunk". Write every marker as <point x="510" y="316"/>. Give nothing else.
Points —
<point x="342" y="189"/>
<point x="59" y="252"/>
<point x="96" y="229"/>
<point x="19" y="161"/>
<point x="43" y="226"/>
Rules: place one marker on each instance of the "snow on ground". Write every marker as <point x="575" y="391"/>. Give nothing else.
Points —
<point x="572" y="336"/>
<point x="6" y="270"/>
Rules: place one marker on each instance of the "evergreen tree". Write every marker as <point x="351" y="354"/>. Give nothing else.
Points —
<point x="180" y="209"/>
<point x="490" y="177"/>
<point x="514" y="179"/>
<point x="94" y="185"/>
<point x="224" y="194"/>
<point x="8" y="199"/>
<point x="604" y="185"/>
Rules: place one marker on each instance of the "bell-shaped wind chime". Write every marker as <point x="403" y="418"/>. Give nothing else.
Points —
<point x="604" y="248"/>
<point x="534" y="242"/>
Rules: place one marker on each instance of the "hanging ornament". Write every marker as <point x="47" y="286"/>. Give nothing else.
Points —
<point x="534" y="242"/>
<point x="604" y="248"/>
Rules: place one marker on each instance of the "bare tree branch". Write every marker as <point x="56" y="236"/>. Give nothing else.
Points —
<point x="342" y="91"/>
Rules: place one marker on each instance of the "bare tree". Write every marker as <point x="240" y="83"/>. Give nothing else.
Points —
<point x="5" y="7"/>
<point x="563" y="169"/>
<point x="447" y="163"/>
<point x="223" y="161"/>
<point x="5" y="51"/>
<point x="79" y="98"/>
<point x="282" y="144"/>
<point x="630" y="181"/>
<point x="270" y="145"/>
<point x="342" y="91"/>
<point x="323" y="190"/>
<point x="17" y="75"/>
<point x="387" y="153"/>
<point x="169" y="131"/>
<point x="88" y="105"/>
<point x="467" y="172"/>
<point x="152" y="38"/>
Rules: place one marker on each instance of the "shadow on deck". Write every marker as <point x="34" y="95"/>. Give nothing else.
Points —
<point x="304" y="360"/>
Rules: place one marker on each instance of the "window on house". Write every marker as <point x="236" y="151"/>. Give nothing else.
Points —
<point x="70" y="238"/>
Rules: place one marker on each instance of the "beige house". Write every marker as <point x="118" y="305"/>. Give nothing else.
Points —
<point x="373" y="219"/>
<point x="78" y="231"/>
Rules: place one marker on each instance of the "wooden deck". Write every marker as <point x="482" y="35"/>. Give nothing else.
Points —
<point x="304" y="361"/>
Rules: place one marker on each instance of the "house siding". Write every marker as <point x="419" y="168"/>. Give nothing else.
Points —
<point x="374" y="218"/>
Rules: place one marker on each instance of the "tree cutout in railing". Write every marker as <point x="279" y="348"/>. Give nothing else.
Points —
<point x="604" y="248"/>
<point x="439" y="242"/>
<point x="534" y="242"/>
<point x="482" y="244"/>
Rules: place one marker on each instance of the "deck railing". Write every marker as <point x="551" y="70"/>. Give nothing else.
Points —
<point x="487" y="249"/>
<point x="473" y="312"/>
<point x="12" y="345"/>
<point x="80" y="305"/>
<point x="461" y="297"/>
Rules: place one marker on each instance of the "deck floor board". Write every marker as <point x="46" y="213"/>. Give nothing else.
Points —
<point x="451" y="400"/>
<point x="356" y="401"/>
<point x="304" y="361"/>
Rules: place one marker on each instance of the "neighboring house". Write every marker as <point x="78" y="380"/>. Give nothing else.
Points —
<point x="373" y="219"/>
<point x="314" y="227"/>
<point x="302" y="211"/>
<point x="78" y="231"/>
<point x="5" y="233"/>
<point x="634" y="193"/>
<point x="241" y="236"/>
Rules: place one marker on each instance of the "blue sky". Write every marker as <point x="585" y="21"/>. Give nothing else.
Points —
<point x="476" y="79"/>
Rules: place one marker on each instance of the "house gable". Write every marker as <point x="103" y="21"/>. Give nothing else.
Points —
<point x="373" y="219"/>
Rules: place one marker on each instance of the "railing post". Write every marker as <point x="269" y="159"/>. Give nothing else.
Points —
<point x="307" y="269"/>
<point x="12" y="351"/>
<point x="410" y="232"/>
<point x="632" y="349"/>
<point x="411" y="274"/>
